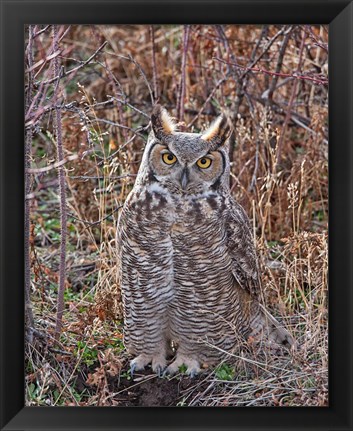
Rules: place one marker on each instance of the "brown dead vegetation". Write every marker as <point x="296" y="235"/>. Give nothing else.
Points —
<point x="271" y="81"/>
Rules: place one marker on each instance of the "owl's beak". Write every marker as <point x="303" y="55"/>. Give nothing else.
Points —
<point x="184" y="178"/>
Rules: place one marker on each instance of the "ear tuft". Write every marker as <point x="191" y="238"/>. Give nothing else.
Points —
<point x="162" y="123"/>
<point x="218" y="132"/>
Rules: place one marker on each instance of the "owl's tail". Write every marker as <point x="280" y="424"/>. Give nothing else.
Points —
<point x="272" y="329"/>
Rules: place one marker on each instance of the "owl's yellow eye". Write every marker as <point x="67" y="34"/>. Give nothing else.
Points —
<point x="204" y="162"/>
<point x="169" y="158"/>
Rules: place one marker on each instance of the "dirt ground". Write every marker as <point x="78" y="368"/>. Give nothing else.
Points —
<point x="146" y="389"/>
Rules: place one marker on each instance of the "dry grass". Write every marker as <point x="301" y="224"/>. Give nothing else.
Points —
<point x="276" y="98"/>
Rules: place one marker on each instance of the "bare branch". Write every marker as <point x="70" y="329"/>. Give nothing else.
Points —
<point x="218" y="84"/>
<point x="27" y="245"/>
<point x="154" y="65"/>
<point x="296" y="75"/>
<point x="56" y="165"/>
<point x="75" y="69"/>
<point x="291" y="100"/>
<point x="180" y="104"/>
<point x="44" y="29"/>
<point x="62" y="194"/>
<point x="275" y="77"/>
<point x="143" y="74"/>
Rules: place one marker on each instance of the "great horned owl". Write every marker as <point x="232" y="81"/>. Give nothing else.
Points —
<point x="187" y="264"/>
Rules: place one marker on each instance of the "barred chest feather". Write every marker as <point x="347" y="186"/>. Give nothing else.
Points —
<point x="154" y="206"/>
<point x="191" y="231"/>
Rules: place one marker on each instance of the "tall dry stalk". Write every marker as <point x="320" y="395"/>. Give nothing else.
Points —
<point x="28" y="146"/>
<point x="62" y="193"/>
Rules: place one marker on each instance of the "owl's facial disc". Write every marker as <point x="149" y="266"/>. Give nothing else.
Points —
<point x="181" y="171"/>
<point x="190" y="162"/>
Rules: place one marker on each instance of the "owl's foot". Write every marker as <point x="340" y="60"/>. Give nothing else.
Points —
<point x="193" y="366"/>
<point x="139" y="363"/>
<point x="158" y="363"/>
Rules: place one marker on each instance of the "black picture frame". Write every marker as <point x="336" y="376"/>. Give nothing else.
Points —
<point x="339" y="15"/>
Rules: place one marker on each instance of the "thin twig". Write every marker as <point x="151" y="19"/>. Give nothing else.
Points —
<point x="120" y="126"/>
<point x="296" y="75"/>
<point x="55" y="165"/>
<point x="94" y="223"/>
<point x="139" y="67"/>
<point x="312" y="36"/>
<point x="281" y="53"/>
<point x="116" y="88"/>
<point x="218" y="84"/>
<point x="291" y="101"/>
<point x="180" y="105"/>
<point x="131" y="106"/>
<point x="154" y="65"/>
<point x="28" y="146"/>
<point x="92" y="177"/>
<point x="268" y="45"/>
<point x="43" y="61"/>
<point x="41" y="31"/>
<point x="52" y="54"/>
<point x="75" y="69"/>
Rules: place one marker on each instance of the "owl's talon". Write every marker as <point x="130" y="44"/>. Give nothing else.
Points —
<point x="192" y="373"/>
<point x="159" y="371"/>
<point x="192" y="366"/>
<point x="158" y="364"/>
<point x="132" y="369"/>
<point x="169" y="372"/>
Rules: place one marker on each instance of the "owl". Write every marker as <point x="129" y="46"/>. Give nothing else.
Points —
<point x="187" y="265"/>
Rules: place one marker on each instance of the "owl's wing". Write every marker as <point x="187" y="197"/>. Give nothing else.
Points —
<point x="242" y="249"/>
